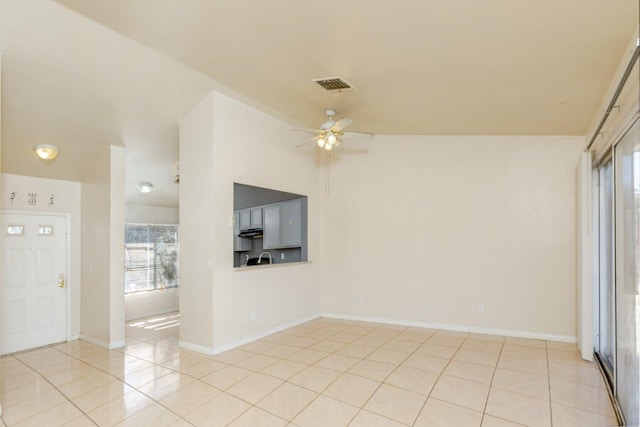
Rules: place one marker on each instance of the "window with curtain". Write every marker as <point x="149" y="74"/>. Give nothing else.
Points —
<point x="151" y="257"/>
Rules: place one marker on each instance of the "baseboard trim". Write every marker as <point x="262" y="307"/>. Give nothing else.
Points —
<point x="445" y="326"/>
<point x="454" y="327"/>
<point x="196" y="347"/>
<point x="251" y="338"/>
<point x="153" y="313"/>
<point x="103" y="344"/>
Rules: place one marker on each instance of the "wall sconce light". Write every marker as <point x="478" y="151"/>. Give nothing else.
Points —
<point x="145" y="187"/>
<point x="46" y="151"/>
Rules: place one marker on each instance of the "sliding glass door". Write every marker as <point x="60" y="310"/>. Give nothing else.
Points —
<point x="627" y="268"/>
<point x="605" y="342"/>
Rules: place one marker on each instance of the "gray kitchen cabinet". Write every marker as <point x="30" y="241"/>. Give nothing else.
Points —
<point x="283" y="225"/>
<point x="271" y="234"/>
<point x="256" y="217"/>
<point x="250" y="218"/>
<point x="239" y="243"/>
<point x="290" y="224"/>
<point x="245" y="219"/>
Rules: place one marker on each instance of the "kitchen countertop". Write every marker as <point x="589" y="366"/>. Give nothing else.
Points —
<point x="259" y="267"/>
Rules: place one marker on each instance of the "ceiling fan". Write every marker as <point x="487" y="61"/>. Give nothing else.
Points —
<point x="329" y="136"/>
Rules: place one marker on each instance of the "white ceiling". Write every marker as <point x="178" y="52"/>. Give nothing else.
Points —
<point x="130" y="72"/>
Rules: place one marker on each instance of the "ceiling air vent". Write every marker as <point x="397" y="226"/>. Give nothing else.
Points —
<point x="334" y="84"/>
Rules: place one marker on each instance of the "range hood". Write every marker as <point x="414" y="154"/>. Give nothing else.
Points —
<point x="251" y="233"/>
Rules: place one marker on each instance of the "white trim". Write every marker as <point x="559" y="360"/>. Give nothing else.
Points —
<point x="246" y="340"/>
<point x="585" y="260"/>
<point x="74" y="337"/>
<point x="103" y="344"/>
<point x="94" y="341"/>
<point x="195" y="347"/>
<point x="152" y="313"/>
<point x="461" y="328"/>
<point x="450" y="327"/>
<point x="117" y="344"/>
<point x="251" y="338"/>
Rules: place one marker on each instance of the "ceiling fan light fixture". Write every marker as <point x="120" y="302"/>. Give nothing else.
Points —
<point x="46" y="151"/>
<point x="331" y="139"/>
<point x="327" y="147"/>
<point x="321" y="142"/>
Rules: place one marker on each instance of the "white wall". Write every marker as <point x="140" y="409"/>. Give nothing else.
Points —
<point x="196" y="234"/>
<point x="143" y="214"/>
<point x="143" y="304"/>
<point x="66" y="200"/>
<point x="116" y="248"/>
<point x="221" y="142"/>
<point x="102" y="319"/>
<point x="425" y="228"/>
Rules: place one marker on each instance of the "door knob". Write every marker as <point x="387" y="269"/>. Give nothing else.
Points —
<point x="61" y="280"/>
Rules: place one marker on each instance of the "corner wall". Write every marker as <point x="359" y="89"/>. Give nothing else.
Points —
<point x="223" y="141"/>
<point x="254" y="148"/>
<point x="196" y="233"/>
<point x="423" y="229"/>
<point x="102" y="308"/>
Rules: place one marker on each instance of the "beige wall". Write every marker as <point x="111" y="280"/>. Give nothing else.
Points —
<point x="144" y="214"/>
<point x="221" y="142"/>
<point x="116" y="248"/>
<point x="102" y="306"/>
<point x="143" y="304"/>
<point x="251" y="147"/>
<point x="424" y="229"/>
<point x="66" y="200"/>
<point x="196" y="230"/>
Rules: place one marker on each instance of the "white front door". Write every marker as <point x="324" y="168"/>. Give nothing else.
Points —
<point x="34" y="295"/>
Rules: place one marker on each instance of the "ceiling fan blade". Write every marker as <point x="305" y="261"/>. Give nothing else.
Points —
<point x="357" y="135"/>
<point x="315" y="138"/>
<point x="341" y="124"/>
<point x="308" y="130"/>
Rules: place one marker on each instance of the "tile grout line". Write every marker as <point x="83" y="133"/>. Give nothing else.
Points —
<point x="390" y="373"/>
<point x="546" y="351"/>
<point x="122" y="381"/>
<point x="320" y="333"/>
<point x="493" y="374"/>
<point x="328" y="385"/>
<point x="56" y="389"/>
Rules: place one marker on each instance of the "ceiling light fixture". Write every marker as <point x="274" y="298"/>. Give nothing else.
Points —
<point x="46" y="151"/>
<point x="145" y="187"/>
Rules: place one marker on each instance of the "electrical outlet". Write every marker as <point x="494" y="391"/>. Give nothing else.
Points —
<point x="253" y="316"/>
<point x="282" y="255"/>
<point x="480" y="308"/>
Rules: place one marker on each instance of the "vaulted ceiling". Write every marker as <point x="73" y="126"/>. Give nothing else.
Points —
<point x="125" y="72"/>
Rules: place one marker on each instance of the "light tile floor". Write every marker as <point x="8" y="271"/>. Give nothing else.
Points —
<point x="325" y="373"/>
